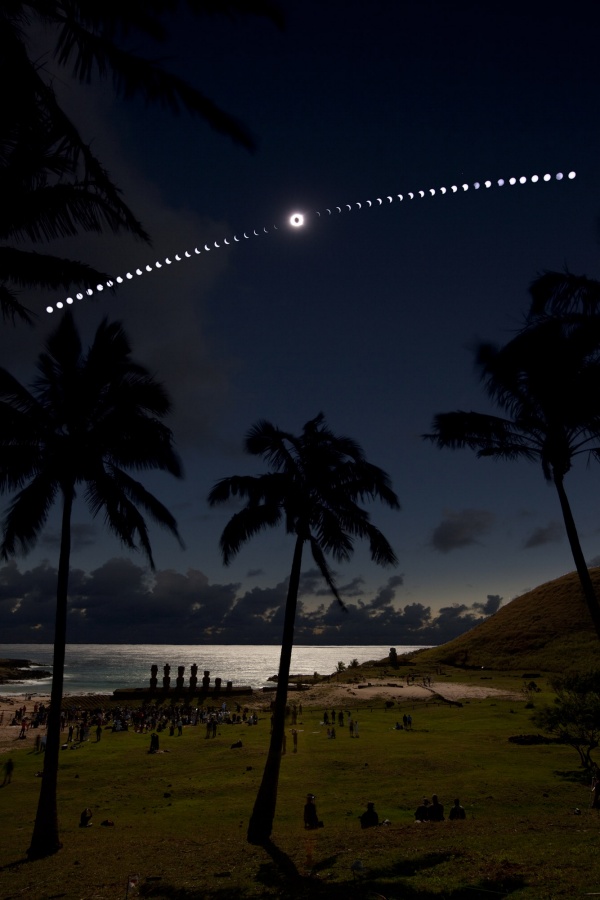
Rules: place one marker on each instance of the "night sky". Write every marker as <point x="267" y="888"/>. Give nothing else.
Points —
<point x="369" y="316"/>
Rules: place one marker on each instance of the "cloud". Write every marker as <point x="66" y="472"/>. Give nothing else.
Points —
<point x="491" y="605"/>
<point x="122" y="602"/>
<point x="552" y="533"/>
<point x="461" y="529"/>
<point x="82" y="536"/>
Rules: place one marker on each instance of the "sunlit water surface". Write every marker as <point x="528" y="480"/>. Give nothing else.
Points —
<point x="102" y="668"/>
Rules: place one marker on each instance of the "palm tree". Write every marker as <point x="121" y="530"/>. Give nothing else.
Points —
<point x="314" y="485"/>
<point x="88" y="418"/>
<point x="94" y="39"/>
<point x="563" y="294"/>
<point x="51" y="183"/>
<point x="547" y="381"/>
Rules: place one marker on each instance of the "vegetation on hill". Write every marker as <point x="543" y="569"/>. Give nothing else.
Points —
<point x="547" y="629"/>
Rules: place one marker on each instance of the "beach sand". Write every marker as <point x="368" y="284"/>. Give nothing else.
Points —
<point x="330" y="695"/>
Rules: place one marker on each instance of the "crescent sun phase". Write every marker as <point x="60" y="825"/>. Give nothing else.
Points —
<point x="299" y="219"/>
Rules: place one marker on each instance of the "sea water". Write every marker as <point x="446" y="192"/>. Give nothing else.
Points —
<point x="102" y="668"/>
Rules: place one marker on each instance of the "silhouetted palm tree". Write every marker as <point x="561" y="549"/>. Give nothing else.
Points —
<point x="314" y="485"/>
<point x="565" y="295"/>
<point x="88" y="418"/>
<point x="547" y="381"/>
<point x="49" y="193"/>
<point x="94" y="39"/>
<point x="51" y="183"/>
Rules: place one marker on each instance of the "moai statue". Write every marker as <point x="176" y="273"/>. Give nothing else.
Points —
<point x="179" y="680"/>
<point x="153" y="679"/>
<point x="218" y="684"/>
<point x="193" y="677"/>
<point x="206" y="680"/>
<point x="166" y="677"/>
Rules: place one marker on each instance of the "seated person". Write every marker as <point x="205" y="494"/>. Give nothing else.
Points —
<point x="369" y="818"/>
<point x="86" y="815"/>
<point x="311" y="819"/>
<point x="422" y="811"/>
<point x="436" y="810"/>
<point x="457" y="811"/>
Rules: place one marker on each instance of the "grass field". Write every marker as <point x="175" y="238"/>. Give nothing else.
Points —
<point x="180" y="816"/>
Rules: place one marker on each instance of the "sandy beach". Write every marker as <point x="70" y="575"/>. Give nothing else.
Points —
<point x="332" y="695"/>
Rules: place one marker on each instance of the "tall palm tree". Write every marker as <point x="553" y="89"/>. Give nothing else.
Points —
<point x="51" y="183"/>
<point x="89" y="418"/>
<point x="314" y="485"/>
<point x="547" y="382"/>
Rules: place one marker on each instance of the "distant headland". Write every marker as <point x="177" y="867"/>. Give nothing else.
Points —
<point x="15" y="670"/>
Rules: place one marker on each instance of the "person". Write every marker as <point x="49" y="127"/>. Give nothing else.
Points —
<point x="457" y="811"/>
<point x="311" y="819"/>
<point x="369" y="818"/>
<point x="422" y="811"/>
<point x="85" y="818"/>
<point x="595" y="801"/>
<point x="436" y="810"/>
<point x="9" y="767"/>
<point x="295" y="739"/>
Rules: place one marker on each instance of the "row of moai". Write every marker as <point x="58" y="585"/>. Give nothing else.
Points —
<point x="179" y="681"/>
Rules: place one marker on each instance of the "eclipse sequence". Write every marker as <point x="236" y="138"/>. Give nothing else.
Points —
<point x="299" y="219"/>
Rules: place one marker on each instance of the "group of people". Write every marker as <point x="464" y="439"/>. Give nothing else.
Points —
<point x="434" y="811"/>
<point x="25" y="720"/>
<point x="152" y="718"/>
<point x="427" y="811"/>
<point x="406" y="723"/>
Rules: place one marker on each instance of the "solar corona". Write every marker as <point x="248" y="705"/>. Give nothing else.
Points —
<point x="297" y="220"/>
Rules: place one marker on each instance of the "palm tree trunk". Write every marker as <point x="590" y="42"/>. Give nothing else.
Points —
<point x="45" y="839"/>
<point x="263" y="814"/>
<point x="587" y="587"/>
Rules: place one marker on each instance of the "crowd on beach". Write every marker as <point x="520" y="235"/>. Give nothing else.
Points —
<point x="78" y="723"/>
<point x="153" y="718"/>
<point x="25" y="720"/>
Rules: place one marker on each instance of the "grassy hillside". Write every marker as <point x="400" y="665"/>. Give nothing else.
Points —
<point x="547" y="629"/>
<point x="180" y="815"/>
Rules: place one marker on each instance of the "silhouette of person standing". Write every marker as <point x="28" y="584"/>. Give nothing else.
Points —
<point x="311" y="819"/>
<point x="9" y="768"/>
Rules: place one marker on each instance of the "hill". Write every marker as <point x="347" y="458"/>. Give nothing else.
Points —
<point x="547" y="629"/>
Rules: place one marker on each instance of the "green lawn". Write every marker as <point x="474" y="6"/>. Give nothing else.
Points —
<point x="180" y="816"/>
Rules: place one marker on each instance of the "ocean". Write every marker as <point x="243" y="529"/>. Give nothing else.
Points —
<point x="102" y="668"/>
